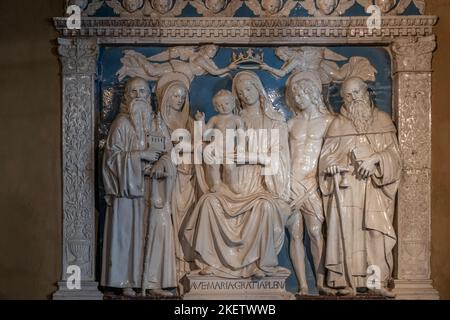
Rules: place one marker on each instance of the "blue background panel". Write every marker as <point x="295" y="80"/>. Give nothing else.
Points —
<point x="110" y="91"/>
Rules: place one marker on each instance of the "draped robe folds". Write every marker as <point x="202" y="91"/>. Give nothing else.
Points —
<point x="160" y="264"/>
<point x="184" y="196"/>
<point x="237" y="234"/>
<point x="124" y="185"/>
<point x="362" y="234"/>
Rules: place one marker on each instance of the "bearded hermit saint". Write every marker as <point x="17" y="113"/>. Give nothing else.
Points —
<point x="126" y="159"/>
<point x="359" y="172"/>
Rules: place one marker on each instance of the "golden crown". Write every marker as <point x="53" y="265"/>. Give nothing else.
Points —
<point x="249" y="56"/>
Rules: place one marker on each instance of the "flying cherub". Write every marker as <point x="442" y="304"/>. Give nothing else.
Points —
<point x="393" y="7"/>
<point x="88" y="9"/>
<point x="318" y="8"/>
<point x="191" y="61"/>
<point x="217" y="8"/>
<point x="321" y="61"/>
<point x="274" y="8"/>
<point x="152" y="8"/>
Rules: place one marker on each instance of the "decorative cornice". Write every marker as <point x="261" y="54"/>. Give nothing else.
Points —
<point x="248" y="30"/>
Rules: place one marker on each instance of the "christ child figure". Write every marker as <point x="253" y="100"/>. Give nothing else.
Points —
<point x="226" y="122"/>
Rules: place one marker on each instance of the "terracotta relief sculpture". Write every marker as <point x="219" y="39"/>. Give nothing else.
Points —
<point x="227" y="219"/>
<point x="306" y="135"/>
<point x="359" y="173"/>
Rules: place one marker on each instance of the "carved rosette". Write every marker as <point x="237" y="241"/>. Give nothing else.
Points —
<point x="78" y="58"/>
<point x="412" y="84"/>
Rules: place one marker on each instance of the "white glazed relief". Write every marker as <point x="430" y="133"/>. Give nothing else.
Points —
<point x="147" y="8"/>
<point x="193" y="224"/>
<point x="271" y="8"/>
<point x="318" y="8"/>
<point x="393" y="7"/>
<point x="227" y="8"/>
<point x="239" y="208"/>
<point x="217" y="8"/>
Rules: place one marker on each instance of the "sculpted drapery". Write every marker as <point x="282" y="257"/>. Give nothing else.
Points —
<point x="173" y="104"/>
<point x="125" y="186"/>
<point x="240" y="235"/>
<point x="239" y="232"/>
<point x="360" y="230"/>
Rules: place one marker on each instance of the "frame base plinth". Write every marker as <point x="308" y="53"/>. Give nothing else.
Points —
<point x="89" y="291"/>
<point x="415" y="290"/>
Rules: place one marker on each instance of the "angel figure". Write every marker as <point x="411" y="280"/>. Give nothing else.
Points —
<point x="87" y="9"/>
<point x="164" y="8"/>
<point x="321" y="61"/>
<point x="393" y="7"/>
<point x="188" y="60"/>
<point x="319" y="8"/>
<point x="274" y="8"/>
<point x="217" y="8"/>
<point x="128" y="8"/>
<point x="141" y="8"/>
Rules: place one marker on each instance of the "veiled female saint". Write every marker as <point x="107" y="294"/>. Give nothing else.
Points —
<point x="173" y="105"/>
<point x="241" y="235"/>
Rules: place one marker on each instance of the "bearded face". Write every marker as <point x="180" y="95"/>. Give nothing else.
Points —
<point x="358" y="103"/>
<point x="140" y="118"/>
<point x="137" y="98"/>
<point x="360" y="113"/>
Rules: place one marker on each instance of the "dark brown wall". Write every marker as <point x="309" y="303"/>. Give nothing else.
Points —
<point x="30" y="160"/>
<point x="30" y="169"/>
<point x="440" y="226"/>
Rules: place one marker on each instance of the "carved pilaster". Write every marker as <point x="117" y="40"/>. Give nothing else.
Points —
<point x="412" y="85"/>
<point x="79" y="63"/>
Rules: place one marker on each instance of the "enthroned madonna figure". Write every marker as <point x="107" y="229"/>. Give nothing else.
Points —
<point x="240" y="235"/>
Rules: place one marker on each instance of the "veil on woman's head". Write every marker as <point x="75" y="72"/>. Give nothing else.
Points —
<point x="266" y="104"/>
<point x="164" y="88"/>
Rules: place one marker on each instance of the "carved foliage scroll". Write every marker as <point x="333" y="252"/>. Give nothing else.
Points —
<point x="412" y="65"/>
<point x="78" y="59"/>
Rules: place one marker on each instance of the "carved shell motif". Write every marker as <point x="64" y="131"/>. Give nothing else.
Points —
<point x="319" y="8"/>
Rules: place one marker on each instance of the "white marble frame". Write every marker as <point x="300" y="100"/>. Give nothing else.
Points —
<point x="408" y="39"/>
